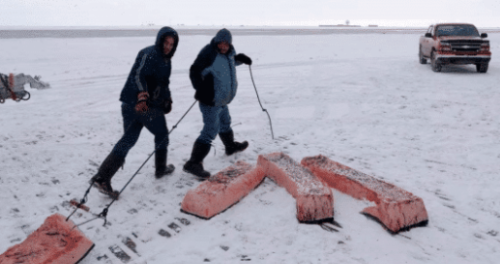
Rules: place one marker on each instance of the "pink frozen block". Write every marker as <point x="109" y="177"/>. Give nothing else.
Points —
<point x="314" y="199"/>
<point x="55" y="242"/>
<point x="395" y="208"/>
<point x="222" y="190"/>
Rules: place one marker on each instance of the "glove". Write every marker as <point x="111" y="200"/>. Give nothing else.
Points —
<point x="243" y="58"/>
<point x="167" y="106"/>
<point x="142" y="105"/>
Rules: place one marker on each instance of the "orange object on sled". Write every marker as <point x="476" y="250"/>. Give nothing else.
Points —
<point x="222" y="190"/>
<point x="55" y="242"/>
<point x="396" y="208"/>
<point x="314" y="199"/>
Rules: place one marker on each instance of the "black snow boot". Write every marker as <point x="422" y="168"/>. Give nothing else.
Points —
<point x="102" y="180"/>
<point x="161" y="164"/>
<point x="195" y="164"/>
<point x="231" y="145"/>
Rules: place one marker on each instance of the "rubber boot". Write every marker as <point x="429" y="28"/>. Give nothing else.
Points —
<point x="102" y="180"/>
<point x="195" y="164"/>
<point x="231" y="145"/>
<point x="161" y="164"/>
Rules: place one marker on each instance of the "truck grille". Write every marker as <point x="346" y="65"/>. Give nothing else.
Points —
<point x="466" y="46"/>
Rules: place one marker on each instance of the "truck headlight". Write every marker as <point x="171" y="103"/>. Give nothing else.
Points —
<point x="485" y="47"/>
<point x="445" y="46"/>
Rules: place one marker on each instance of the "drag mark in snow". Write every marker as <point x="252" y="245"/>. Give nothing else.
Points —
<point x="120" y="254"/>
<point x="130" y="244"/>
<point x="175" y="227"/>
<point x="164" y="233"/>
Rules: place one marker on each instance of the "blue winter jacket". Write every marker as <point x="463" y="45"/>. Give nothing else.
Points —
<point x="151" y="72"/>
<point x="213" y="74"/>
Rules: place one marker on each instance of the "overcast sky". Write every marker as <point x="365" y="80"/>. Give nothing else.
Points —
<point x="483" y="13"/>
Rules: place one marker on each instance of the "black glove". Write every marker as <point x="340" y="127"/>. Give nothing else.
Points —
<point x="243" y="58"/>
<point x="167" y="106"/>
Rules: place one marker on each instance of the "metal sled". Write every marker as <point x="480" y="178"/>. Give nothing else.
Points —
<point x="12" y="86"/>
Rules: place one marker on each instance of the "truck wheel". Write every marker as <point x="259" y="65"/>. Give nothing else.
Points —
<point x="482" y="67"/>
<point x="421" y="58"/>
<point x="436" y="66"/>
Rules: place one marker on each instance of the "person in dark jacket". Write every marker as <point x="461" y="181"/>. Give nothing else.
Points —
<point x="145" y="101"/>
<point x="213" y="75"/>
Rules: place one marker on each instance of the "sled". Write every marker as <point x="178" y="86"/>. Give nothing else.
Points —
<point x="12" y="86"/>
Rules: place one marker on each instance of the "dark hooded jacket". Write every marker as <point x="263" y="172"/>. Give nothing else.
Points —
<point x="213" y="75"/>
<point x="151" y="72"/>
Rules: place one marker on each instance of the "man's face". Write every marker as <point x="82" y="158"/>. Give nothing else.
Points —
<point x="223" y="47"/>
<point x="168" y="44"/>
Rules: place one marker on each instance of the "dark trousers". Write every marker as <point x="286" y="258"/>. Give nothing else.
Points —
<point x="133" y="122"/>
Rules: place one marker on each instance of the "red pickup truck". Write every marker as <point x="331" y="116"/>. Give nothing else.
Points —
<point x="454" y="43"/>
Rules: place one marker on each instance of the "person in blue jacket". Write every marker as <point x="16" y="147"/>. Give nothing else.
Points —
<point x="213" y="76"/>
<point x="145" y="101"/>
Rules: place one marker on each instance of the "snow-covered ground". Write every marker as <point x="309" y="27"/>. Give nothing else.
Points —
<point x="361" y="99"/>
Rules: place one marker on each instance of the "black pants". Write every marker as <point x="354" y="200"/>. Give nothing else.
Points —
<point x="133" y="122"/>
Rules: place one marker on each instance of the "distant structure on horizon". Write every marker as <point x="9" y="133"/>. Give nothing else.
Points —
<point x="340" y="25"/>
<point x="372" y="25"/>
<point x="347" y="24"/>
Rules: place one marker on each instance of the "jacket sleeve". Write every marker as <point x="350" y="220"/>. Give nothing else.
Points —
<point x="142" y="67"/>
<point x="201" y="62"/>
<point x="236" y="62"/>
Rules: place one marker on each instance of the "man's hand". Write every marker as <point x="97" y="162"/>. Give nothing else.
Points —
<point x="167" y="106"/>
<point x="243" y="58"/>
<point x="142" y="105"/>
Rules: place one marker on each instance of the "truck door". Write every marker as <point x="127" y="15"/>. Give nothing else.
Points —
<point x="427" y="43"/>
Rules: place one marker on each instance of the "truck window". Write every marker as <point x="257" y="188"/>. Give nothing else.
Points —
<point x="457" y="30"/>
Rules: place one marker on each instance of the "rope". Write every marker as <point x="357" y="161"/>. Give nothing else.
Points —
<point x="97" y="217"/>
<point x="84" y="199"/>
<point x="264" y="110"/>
<point x="104" y="212"/>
